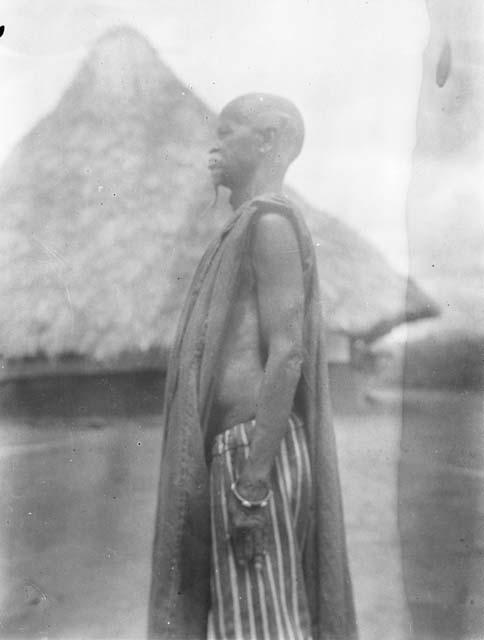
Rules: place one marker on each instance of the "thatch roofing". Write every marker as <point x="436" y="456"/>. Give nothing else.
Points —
<point x="363" y="296"/>
<point x="101" y="222"/>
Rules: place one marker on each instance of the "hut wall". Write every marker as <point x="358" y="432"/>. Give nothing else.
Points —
<point x="349" y="387"/>
<point x="110" y="394"/>
<point x="76" y="388"/>
<point x="78" y="391"/>
<point x="338" y="347"/>
<point x="136" y="393"/>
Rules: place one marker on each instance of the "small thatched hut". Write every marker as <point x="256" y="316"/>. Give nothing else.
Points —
<point x="102" y="225"/>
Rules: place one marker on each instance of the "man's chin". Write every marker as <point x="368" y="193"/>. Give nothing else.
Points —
<point x="219" y="179"/>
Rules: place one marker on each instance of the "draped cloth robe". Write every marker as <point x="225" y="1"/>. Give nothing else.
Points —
<point x="180" y="586"/>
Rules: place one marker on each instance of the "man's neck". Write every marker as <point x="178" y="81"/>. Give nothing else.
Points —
<point x="256" y="187"/>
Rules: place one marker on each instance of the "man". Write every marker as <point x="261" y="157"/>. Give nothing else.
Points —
<point x="249" y="537"/>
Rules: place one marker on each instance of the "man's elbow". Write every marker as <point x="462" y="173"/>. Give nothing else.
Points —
<point x="288" y="355"/>
<point x="295" y="359"/>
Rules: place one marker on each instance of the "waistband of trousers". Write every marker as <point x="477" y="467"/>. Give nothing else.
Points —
<point x="240" y="435"/>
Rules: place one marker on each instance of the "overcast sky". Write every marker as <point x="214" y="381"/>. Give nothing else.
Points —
<point x="352" y="66"/>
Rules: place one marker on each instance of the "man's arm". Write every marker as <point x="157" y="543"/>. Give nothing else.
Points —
<point x="280" y="296"/>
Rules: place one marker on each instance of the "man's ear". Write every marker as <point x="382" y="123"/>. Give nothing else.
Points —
<point x="267" y="137"/>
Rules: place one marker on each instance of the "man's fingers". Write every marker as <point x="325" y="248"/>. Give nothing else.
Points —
<point x="238" y="544"/>
<point x="258" y="547"/>
<point x="247" y="535"/>
<point x="249" y="546"/>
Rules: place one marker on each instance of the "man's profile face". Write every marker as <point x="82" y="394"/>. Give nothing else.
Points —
<point x="237" y="153"/>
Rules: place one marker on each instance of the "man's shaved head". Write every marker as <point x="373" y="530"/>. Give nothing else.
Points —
<point x="266" y="111"/>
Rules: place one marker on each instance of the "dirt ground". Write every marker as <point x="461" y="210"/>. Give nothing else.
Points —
<point x="77" y="510"/>
<point x="441" y="513"/>
<point x="368" y="445"/>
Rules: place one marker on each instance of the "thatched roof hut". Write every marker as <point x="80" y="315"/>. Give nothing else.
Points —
<point x="101" y="207"/>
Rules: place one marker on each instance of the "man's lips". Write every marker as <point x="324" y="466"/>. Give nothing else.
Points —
<point x="214" y="162"/>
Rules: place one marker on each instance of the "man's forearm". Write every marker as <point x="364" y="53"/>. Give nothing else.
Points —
<point x="275" y="404"/>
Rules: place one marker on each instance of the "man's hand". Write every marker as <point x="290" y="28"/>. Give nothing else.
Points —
<point x="248" y="531"/>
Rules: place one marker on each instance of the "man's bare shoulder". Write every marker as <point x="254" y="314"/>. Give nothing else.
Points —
<point x="274" y="234"/>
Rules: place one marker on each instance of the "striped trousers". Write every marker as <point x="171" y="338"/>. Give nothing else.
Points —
<point x="268" y="603"/>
